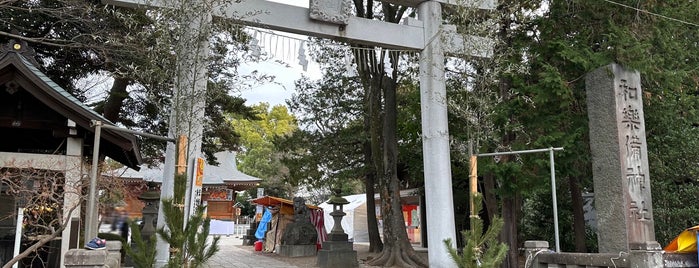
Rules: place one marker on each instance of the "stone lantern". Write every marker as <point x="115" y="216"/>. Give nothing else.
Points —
<point x="337" y="251"/>
<point x="150" y="211"/>
<point x="337" y="233"/>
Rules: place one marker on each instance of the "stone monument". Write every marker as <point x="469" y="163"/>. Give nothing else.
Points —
<point x="620" y="161"/>
<point x="300" y="236"/>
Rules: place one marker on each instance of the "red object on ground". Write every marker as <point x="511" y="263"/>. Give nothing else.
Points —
<point x="258" y="245"/>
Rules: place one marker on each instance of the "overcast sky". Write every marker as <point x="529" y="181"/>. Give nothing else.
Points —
<point x="283" y="86"/>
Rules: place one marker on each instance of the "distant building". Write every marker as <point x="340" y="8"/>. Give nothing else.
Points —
<point x="221" y="183"/>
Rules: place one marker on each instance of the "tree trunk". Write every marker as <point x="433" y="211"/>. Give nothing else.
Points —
<point x="578" y="214"/>
<point x="397" y="248"/>
<point x="510" y="213"/>
<point x="115" y="100"/>
<point x="490" y="200"/>
<point x="375" y="243"/>
<point x="510" y="207"/>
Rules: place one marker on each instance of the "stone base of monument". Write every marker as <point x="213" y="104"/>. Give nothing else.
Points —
<point x="337" y="254"/>
<point x="539" y="256"/>
<point x="646" y="254"/>
<point x="249" y="237"/>
<point x="297" y="250"/>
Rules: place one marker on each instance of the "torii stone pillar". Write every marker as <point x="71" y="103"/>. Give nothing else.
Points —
<point x="187" y="113"/>
<point x="435" y="139"/>
<point x="425" y="36"/>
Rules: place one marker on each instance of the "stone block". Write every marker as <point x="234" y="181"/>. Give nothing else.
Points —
<point x="535" y="244"/>
<point x="680" y="260"/>
<point x="83" y="258"/>
<point x="337" y="237"/>
<point x="114" y="253"/>
<point x="333" y="11"/>
<point x="297" y="250"/>
<point x="337" y="258"/>
<point x="113" y="245"/>
<point x="337" y="245"/>
<point x="112" y="263"/>
<point x="645" y="258"/>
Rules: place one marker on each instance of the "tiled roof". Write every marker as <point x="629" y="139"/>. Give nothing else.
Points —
<point x="225" y="173"/>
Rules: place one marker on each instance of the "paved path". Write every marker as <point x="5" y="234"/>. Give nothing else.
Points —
<point x="232" y="256"/>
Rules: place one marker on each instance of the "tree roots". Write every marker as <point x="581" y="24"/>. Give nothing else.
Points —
<point x="395" y="257"/>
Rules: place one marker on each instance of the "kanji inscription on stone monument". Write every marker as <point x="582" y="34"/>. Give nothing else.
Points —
<point x="619" y="160"/>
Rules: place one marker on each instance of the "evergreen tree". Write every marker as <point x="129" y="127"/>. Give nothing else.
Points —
<point x="189" y="247"/>
<point x="482" y="249"/>
<point x="143" y="252"/>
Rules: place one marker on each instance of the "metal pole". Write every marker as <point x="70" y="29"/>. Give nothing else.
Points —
<point x="90" y="231"/>
<point x="553" y="196"/>
<point x="553" y="182"/>
<point x="522" y="152"/>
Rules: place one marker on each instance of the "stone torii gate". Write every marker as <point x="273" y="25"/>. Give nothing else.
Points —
<point x="333" y="19"/>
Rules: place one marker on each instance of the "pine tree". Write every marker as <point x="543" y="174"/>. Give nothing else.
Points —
<point x="143" y="252"/>
<point x="188" y="244"/>
<point x="481" y="249"/>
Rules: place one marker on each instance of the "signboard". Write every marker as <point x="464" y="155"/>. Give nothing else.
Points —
<point x="196" y="189"/>
<point x="259" y="209"/>
<point x="220" y="195"/>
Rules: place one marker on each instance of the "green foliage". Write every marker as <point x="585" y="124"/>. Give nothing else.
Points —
<point x="258" y="155"/>
<point x="482" y="249"/>
<point x="247" y="208"/>
<point x="670" y="209"/>
<point x="538" y="100"/>
<point x="188" y="244"/>
<point x="537" y="222"/>
<point x="671" y="127"/>
<point x="579" y="36"/>
<point x="143" y="253"/>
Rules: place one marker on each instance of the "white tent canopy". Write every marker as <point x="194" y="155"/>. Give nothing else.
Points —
<point x="355" y="222"/>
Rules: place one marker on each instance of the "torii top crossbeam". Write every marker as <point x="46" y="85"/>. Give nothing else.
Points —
<point x="408" y="35"/>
